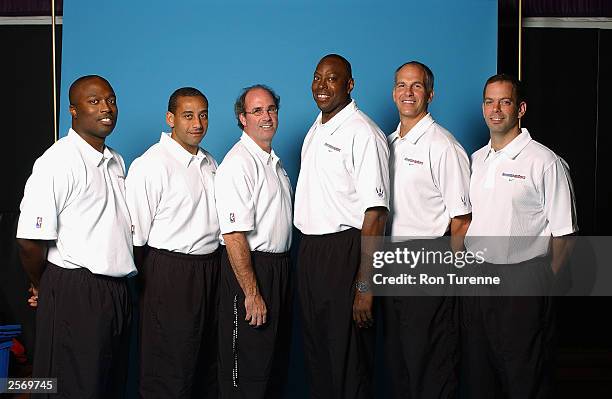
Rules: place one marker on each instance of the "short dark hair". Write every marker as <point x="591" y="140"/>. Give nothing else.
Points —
<point x="517" y="85"/>
<point x="183" y="92"/>
<point x="239" y="104"/>
<point x="77" y="84"/>
<point x="429" y="76"/>
<point x="347" y="65"/>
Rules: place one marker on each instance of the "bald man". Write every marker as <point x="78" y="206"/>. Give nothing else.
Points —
<point x="341" y="196"/>
<point x="75" y="241"/>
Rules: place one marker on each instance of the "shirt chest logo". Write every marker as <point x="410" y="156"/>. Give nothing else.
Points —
<point x="380" y="192"/>
<point x="38" y="222"/>
<point x="412" y="161"/>
<point x="512" y="176"/>
<point x="232" y="217"/>
<point x="332" y="148"/>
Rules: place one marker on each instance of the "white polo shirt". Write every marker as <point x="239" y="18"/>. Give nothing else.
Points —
<point x="171" y="198"/>
<point x="344" y="171"/>
<point x="254" y="196"/>
<point x="75" y="197"/>
<point x="518" y="193"/>
<point x="430" y="180"/>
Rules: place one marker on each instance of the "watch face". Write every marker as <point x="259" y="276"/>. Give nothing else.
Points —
<point x="362" y="286"/>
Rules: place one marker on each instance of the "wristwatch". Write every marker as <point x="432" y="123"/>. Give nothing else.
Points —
<point x="362" y="286"/>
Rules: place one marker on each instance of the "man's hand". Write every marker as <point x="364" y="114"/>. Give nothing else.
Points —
<point x="239" y="255"/>
<point x="362" y="309"/>
<point x="256" y="311"/>
<point x="33" y="300"/>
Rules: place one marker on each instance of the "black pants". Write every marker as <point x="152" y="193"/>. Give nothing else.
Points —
<point x="253" y="362"/>
<point x="507" y="342"/>
<point x="178" y="325"/>
<point x="421" y="346"/>
<point x="82" y="332"/>
<point x="339" y="356"/>
<point x="421" y="333"/>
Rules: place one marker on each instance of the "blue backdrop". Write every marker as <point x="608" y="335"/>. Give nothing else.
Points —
<point x="147" y="49"/>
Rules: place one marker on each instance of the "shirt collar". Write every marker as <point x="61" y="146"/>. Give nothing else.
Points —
<point x="183" y="156"/>
<point x="256" y="150"/>
<point x="336" y="121"/>
<point x="415" y="133"/>
<point x="88" y="152"/>
<point x="513" y="148"/>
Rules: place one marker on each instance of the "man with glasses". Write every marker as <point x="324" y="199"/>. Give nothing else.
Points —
<point x="253" y="196"/>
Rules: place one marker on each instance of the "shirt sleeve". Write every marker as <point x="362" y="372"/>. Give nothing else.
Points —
<point x="234" y="197"/>
<point x="143" y="192"/>
<point x="371" y="161"/>
<point x="46" y="194"/>
<point x="559" y="203"/>
<point x="451" y="173"/>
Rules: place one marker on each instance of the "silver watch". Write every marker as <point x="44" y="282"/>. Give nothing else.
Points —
<point x="362" y="286"/>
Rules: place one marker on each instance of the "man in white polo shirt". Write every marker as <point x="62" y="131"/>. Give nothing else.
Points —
<point x="430" y="180"/>
<point x="253" y="195"/>
<point x="171" y="198"/>
<point x="76" y="246"/>
<point x="523" y="204"/>
<point x="342" y="195"/>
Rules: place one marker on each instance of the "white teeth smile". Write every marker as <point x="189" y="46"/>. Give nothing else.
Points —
<point x="322" y="96"/>
<point x="266" y="126"/>
<point x="408" y="101"/>
<point x="105" y="119"/>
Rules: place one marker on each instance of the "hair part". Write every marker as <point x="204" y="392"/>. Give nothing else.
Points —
<point x="76" y="85"/>
<point x="239" y="105"/>
<point x="183" y="92"/>
<point x="517" y="86"/>
<point x="429" y="75"/>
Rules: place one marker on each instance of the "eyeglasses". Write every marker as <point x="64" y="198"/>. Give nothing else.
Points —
<point x="260" y="111"/>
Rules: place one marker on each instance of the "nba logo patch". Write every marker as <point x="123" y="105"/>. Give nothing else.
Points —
<point x="232" y="217"/>
<point x="38" y="222"/>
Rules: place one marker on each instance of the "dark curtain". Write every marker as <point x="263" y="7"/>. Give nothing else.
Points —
<point x="17" y="8"/>
<point x="567" y="8"/>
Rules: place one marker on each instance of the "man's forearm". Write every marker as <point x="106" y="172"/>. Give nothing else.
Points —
<point x="373" y="226"/>
<point x="562" y="248"/>
<point x="239" y="254"/>
<point x="458" y="229"/>
<point x="33" y="255"/>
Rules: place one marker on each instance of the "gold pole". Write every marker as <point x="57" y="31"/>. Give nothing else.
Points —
<point x="55" y="137"/>
<point x="520" y="29"/>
